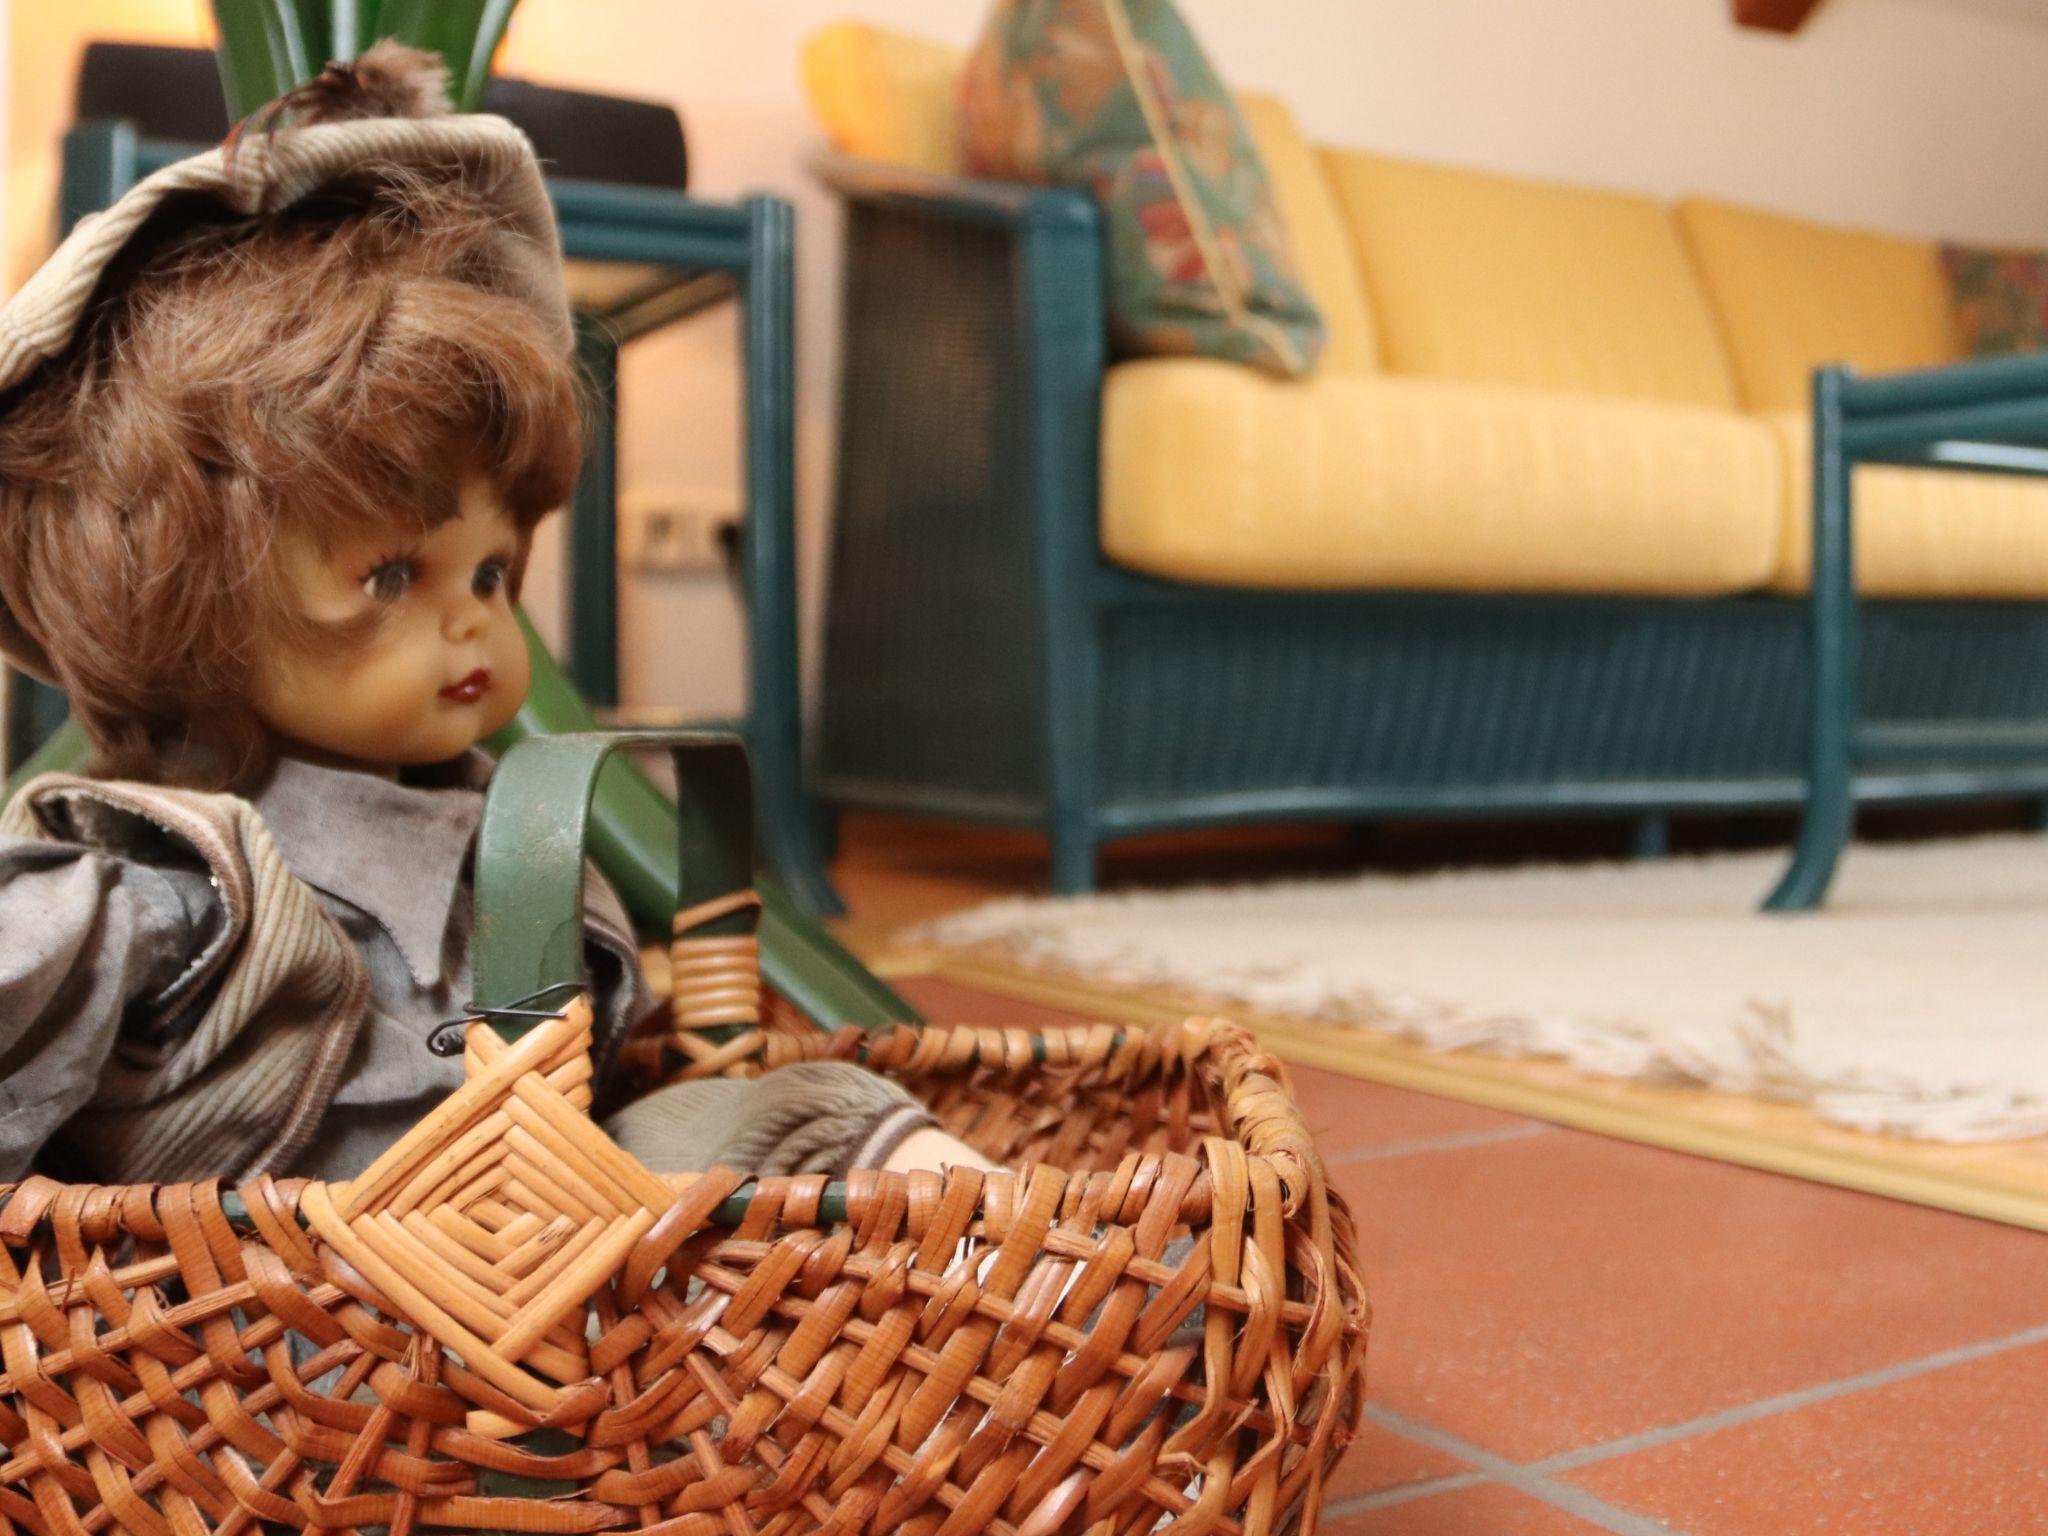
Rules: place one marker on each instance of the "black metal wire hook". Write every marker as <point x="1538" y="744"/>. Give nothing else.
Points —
<point x="446" y="1037"/>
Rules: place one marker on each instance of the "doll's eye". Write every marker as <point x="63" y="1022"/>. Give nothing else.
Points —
<point x="489" y="579"/>
<point x="390" y="580"/>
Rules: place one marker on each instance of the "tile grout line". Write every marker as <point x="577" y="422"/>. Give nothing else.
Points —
<point x="1491" y="1468"/>
<point x="1403" y="1493"/>
<point x="1574" y="1501"/>
<point x="1786" y="1402"/>
<point x="1451" y="1142"/>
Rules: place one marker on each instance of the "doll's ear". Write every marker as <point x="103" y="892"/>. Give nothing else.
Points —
<point x="388" y="79"/>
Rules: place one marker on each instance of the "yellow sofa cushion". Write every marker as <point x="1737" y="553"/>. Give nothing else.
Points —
<point x="1792" y="295"/>
<point x="1921" y="532"/>
<point x="884" y="95"/>
<point x="1213" y="473"/>
<point x="1322" y="249"/>
<point x="1499" y="280"/>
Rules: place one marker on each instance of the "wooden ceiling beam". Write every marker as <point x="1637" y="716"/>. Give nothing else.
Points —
<point x="1775" y="15"/>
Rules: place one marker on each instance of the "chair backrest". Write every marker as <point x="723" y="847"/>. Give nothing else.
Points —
<point x="1505" y="280"/>
<point x="175" y="94"/>
<point x="1792" y="295"/>
<point x="880" y="94"/>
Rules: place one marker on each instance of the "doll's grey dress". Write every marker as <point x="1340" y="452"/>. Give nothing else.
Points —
<point x="93" y="936"/>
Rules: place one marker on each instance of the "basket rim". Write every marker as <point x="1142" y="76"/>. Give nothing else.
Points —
<point x="831" y="1205"/>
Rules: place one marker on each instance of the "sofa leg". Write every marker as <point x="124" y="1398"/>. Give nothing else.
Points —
<point x="825" y="829"/>
<point x="1073" y="861"/>
<point x="1651" y="837"/>
<point x="1829" y="813"/>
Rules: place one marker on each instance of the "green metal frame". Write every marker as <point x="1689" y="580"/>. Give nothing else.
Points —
<point x="1989" y="416"/>
<point x="984" y="662"/>
<point x="705" y="252"/>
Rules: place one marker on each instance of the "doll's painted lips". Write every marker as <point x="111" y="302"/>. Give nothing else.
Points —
<point x="470" y="689"/>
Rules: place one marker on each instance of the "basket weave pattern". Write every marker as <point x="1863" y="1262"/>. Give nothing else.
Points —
<point x="964" y="1353"/>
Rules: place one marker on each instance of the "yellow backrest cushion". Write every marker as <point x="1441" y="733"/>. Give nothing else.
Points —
<point x="1791" y="295"/>
<point x="1322" y="249"/>
<point x="1499" y="280"/>
<point x="884" y="95"/>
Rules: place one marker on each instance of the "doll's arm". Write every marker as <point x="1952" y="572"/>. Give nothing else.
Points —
<point x="811" y="1116"/>
<point x="87" y="940"/>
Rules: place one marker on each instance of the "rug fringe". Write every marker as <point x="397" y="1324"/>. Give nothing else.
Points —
<point x="1761" y="1056"/>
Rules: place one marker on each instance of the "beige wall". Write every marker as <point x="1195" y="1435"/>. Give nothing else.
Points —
<point x="45" y="39"/>
<point x="1911" y="115"/>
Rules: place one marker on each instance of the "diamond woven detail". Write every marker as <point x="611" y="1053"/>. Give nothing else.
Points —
<point x="496" y="1218"/>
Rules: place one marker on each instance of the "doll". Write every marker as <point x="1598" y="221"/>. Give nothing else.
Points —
<point x="275" y="433"/>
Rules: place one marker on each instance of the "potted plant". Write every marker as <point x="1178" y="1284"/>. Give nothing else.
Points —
<point x="268" y="46"/>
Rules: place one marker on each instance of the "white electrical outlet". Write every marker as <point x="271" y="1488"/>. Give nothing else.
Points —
<point x="673" y="535"/>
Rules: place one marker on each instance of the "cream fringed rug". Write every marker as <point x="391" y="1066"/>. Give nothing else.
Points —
<point x="1915" y="1005"/>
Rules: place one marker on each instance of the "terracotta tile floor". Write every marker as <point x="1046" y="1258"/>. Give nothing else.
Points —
<point x="1577" y="1335"/>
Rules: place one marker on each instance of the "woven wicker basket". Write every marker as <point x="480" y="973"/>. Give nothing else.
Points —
<point x="508" y="1324"/>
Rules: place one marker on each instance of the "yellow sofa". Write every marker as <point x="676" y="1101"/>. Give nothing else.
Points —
<point x="1529" y="386"/>
<point x="1573" y="418"/>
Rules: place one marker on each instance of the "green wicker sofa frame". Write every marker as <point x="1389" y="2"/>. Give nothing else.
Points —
<point x="1990" y="415"/>
<point x="983" y="661"/>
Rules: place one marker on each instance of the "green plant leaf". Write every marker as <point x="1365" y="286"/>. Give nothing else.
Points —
<point x="490" y="32"/>
<point x="351" y="25"/>
<point x="262" y="51"/>
<point x="316" y="33"/>
<point x="446" y="27"/>
<point x="268" y="46"/>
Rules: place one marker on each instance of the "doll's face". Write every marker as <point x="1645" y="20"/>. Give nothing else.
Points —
<point x="445" y="664"/>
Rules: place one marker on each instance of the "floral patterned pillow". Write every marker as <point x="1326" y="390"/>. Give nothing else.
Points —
<point x="2000" y="298"/>
<point x="1116" y="96"/>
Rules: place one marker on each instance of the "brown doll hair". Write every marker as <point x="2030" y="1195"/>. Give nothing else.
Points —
<point x="337" y="367"/>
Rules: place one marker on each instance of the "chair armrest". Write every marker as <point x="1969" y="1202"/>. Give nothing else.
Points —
<point x="1013" y="205"/>
<point x="1972" y="382"/>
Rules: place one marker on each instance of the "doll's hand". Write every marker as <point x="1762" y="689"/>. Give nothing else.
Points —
<point x="931" y="1148"/>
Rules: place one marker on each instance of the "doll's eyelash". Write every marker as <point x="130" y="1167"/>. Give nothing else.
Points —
<point x="391" y="578"/>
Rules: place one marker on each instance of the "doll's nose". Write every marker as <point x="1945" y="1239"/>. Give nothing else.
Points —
<point x="467" y="617"/>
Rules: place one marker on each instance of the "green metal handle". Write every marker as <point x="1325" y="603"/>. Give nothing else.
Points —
<point x="634" y="836"/>
<point x="531" y="846"/>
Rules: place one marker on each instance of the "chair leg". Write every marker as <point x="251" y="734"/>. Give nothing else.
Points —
<point x="1830" y="800"/>
<point x="1651" y="837"/>
<point x="1073" y="859"/>
<point x="1823" y="831"/>
<point x="592" y="655"/>
<point x="825" y="819"/>
<point x="775" y="695"/>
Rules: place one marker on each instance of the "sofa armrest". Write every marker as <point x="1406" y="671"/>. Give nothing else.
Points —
<point x="1013" y="205"/>
<point x="965" y="515"/>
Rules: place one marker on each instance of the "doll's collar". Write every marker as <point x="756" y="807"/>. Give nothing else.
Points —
<point x="394" y="851"/>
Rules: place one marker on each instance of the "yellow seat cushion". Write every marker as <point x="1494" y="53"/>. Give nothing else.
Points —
<point x="1500" y="280"/>
<point x="1213" y="473"/>
<point x="1921" y="532"/>
<point x="884" y="95"/>
<point x="1315" y="229"/>
<point x="1792" y="295"/>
